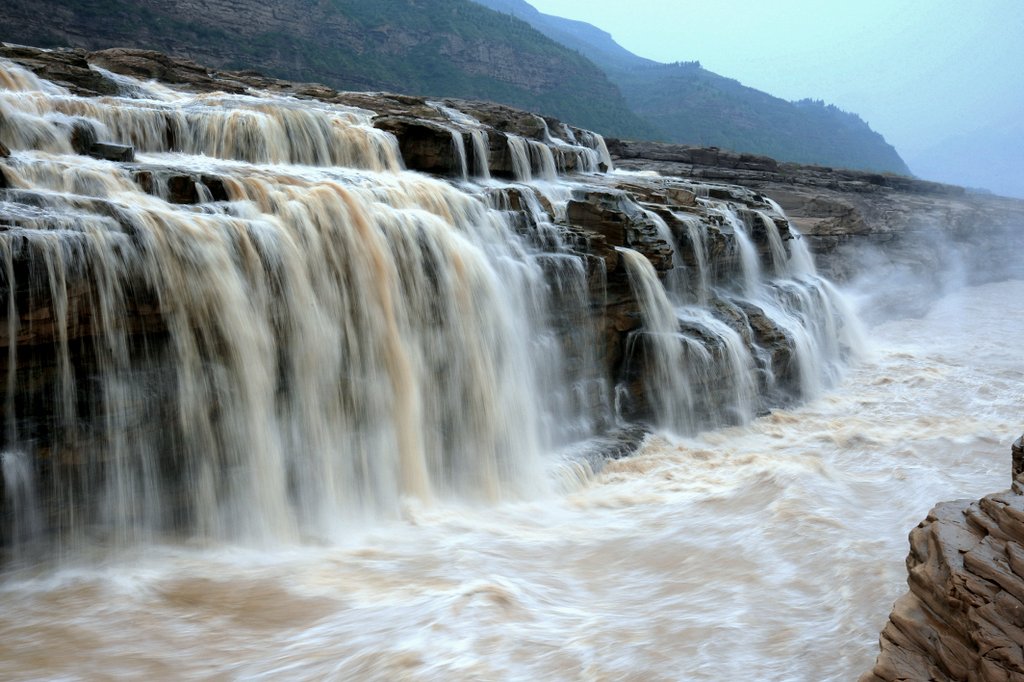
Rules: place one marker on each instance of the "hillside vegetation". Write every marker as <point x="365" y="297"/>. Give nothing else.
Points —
<point x="453" y="48"/>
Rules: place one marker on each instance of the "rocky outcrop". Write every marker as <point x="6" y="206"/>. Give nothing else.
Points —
<point x="963" y="618"/>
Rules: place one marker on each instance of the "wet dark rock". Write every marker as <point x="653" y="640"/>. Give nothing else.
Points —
<point x="218" y="190"/>
<point x="112" y="152"/>
<point x="144" y="179"/>
<point x="83" y="137"/>
<point x="182" y="190"/>
<point x="426" y="146"/>
<point x="622" y="222"/>
<point x="67" y="68"/>
<point x="618" y="443"/>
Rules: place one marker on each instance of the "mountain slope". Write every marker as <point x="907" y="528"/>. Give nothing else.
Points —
<point x="692" y="105"/>
<point x="456" y="48"/>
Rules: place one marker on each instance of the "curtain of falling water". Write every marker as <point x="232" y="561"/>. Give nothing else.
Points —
<point x="705" y="371"/>
<point x="329" y="340"/>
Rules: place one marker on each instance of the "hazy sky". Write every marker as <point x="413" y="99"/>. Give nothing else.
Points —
<point x="921" y="72"/>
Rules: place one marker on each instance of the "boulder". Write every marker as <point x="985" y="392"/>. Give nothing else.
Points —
<point x="112" y="152"/>
<point x="65" y="67"/>
<point x="426" y="146"/>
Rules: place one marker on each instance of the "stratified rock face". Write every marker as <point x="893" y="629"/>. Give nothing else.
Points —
<point x="963" y="618"/>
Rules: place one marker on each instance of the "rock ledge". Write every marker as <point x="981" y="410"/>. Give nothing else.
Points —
<point x="963" y="618"/>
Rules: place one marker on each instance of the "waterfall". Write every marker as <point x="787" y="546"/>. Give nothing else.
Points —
<point x="26" y="524"/>
<point x="478" y="137"/>
<point x="520" y="152"/>
<point x="668" y="386"/>
<point x="324" y="341"/>
<point x="265" y="329"/>
<point x="780" y="260"/>
<point x="543" y="159"/>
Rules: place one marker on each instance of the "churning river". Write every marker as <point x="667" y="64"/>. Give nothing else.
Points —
<point x="771" y="551"/>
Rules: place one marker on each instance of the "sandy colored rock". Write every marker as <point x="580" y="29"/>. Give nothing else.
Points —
<point x="963" y="618"/>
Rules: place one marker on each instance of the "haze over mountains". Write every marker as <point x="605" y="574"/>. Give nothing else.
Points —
<point x="691" y="105"/>
<point x="458" y="48"/>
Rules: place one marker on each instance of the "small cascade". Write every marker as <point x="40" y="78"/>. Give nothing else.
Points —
<point x="481" y="153"/>
<point x="478" y="137"/>
<point x="698" y="246"/>
<point x="543" y="159"/>
<point x="730" y="365"/>
<point x="459" y="145"/>
<point x="801" y="262"/>
<point x="723" y="369"/>
<point x="592" y="140"/>
<point x="780" y="260"/>
<point x="257" y="129"/>
<point x="520" y="152"/>
<point x="21" y="500"/>
<point x="750" y="263"/>
<point x="667" y="384"/>
<point x="578" y="395"/>
<point x="135" y="89"/>
<point x="773" y="336"/>
<point x="14" y="78"/>
<point x="585" y="153"/>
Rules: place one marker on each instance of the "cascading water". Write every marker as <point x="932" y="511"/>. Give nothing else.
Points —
<point x="723" y="380"/>
<point x="780" y="260"/>
<point x="363" y="334"/>
<point x="264" y="330"/>
<point x="328" y="340"/>
<point x="519" y="149"/>
<point x="674" y="396"/>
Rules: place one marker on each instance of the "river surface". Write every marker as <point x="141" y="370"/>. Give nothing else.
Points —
<point x="767" y="552"/>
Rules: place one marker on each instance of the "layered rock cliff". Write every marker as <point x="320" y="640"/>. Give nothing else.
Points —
<point x="963" y="618"/>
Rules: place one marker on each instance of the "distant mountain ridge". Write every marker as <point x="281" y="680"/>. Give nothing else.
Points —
<point x="454" y="48"/>
<point x="688" y="104"/>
